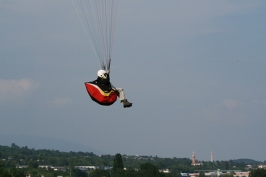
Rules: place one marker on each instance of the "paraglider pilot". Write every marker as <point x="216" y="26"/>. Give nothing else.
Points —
<point x="103" y="81"/>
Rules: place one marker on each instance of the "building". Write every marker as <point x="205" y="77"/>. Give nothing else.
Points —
<point x="219" y="173"/>
<point x="212" y="158"/>
<point x="194" y="160"/>
<point x="241" y="174"/>
<point x="165" y="171"/>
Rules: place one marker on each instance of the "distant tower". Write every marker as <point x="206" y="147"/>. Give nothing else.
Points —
<point x="212" y="159"/>
<point x="193" y="158"/>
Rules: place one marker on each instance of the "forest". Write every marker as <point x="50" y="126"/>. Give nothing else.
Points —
<point x="107" y="165"/>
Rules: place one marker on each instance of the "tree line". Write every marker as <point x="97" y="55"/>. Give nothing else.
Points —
<point x="136" y="166"/>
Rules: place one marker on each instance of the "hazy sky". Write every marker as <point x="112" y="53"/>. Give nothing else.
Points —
<point x="194" y="70"/>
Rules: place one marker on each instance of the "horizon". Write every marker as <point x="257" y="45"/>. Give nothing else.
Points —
<point x="197" y="160"/>
<point x="194" y="71"/>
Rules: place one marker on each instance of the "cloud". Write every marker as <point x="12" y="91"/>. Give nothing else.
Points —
<point x="230" y="103"/>
<point x="60" y="102"/>
<point x="261" y="102"/>
<point x="230" y="112"/>
<point x="11" y="90"/>
<point x="29" y="7"/>
<point x="184" y="12"/>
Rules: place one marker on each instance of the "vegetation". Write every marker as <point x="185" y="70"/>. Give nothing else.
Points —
<point x="43" y="162"/>
<point x="258" y="173"/>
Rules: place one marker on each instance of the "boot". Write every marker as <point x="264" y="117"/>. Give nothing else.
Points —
<point x="126" y="103"/>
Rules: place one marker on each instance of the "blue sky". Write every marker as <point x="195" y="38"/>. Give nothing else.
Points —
<point x="194" y="70"/>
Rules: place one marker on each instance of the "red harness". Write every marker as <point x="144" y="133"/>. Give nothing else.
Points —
<point x="100" y="96"/>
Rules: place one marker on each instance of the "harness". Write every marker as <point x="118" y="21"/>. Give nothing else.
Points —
<point x="101" y="97"/>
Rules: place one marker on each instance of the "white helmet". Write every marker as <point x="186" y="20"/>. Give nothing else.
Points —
<point x="102" y="74"/>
